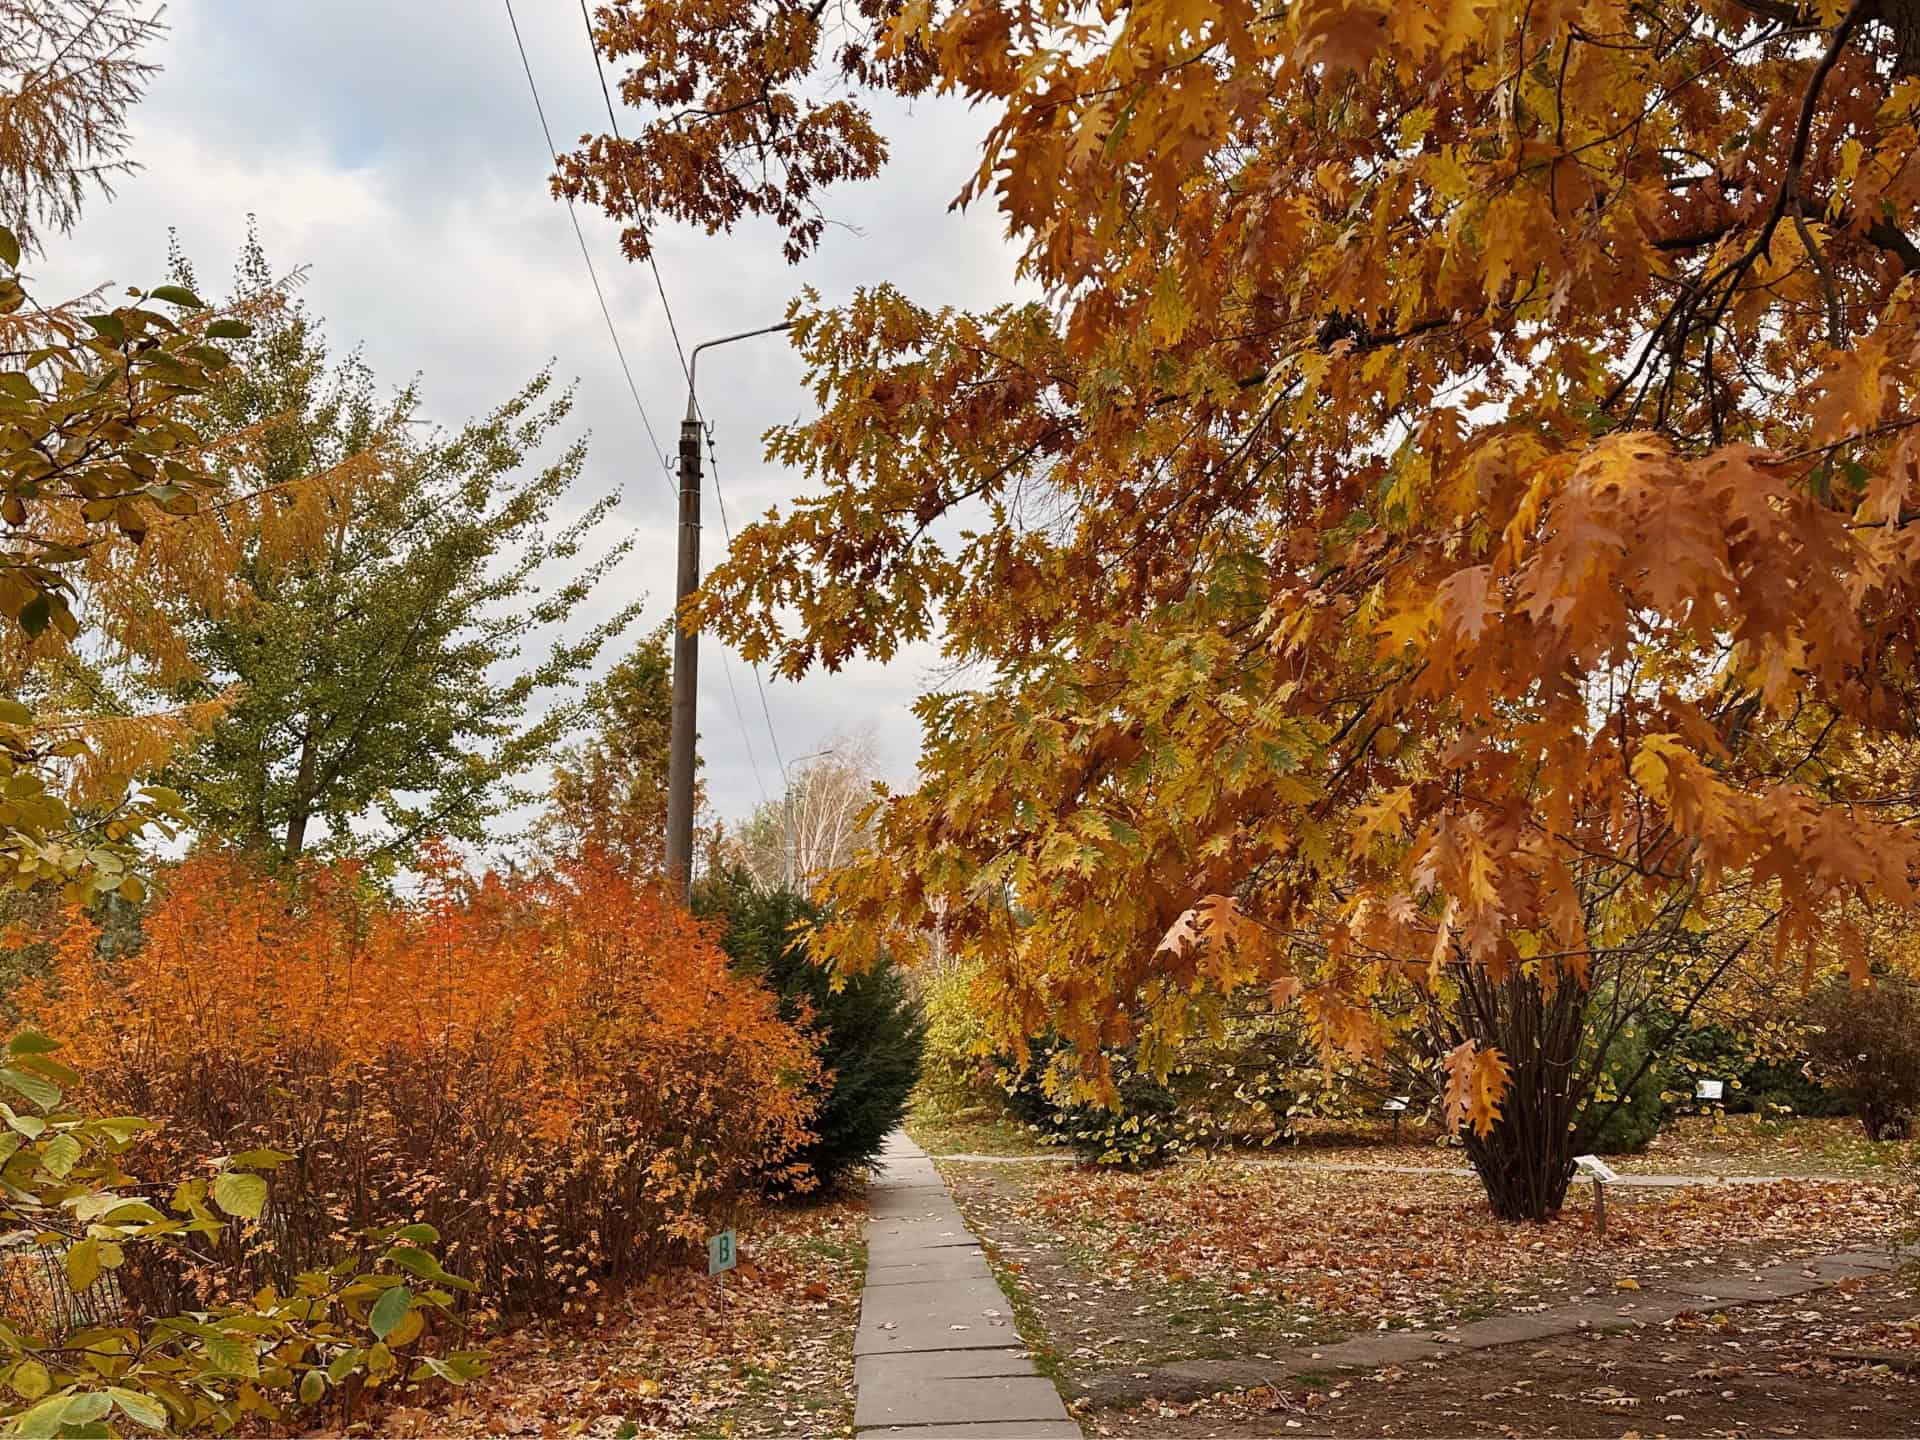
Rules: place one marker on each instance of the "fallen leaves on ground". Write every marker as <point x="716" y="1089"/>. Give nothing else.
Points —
<point x="771" y="1353"/>
<point x="1388" y="1250"/>
<point x="1809" y="1365"/>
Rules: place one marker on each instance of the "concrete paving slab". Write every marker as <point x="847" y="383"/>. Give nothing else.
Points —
<point x="1859" y="1261"/>
<point x="904" y="1171"/>
<point x="954" y="1262"/>
<point x="990" y="1430"/>
<point x="974" y="1400"/>
<point x="948" y="1330"/>
<point x="896" y="1234"/>
<point x="928" y="1205"/>
<point x="1778" y="1286"/>
<point x="937" y="1353"/>
<point x="1191" y="1379"/>
<point x="942" y="1365"/>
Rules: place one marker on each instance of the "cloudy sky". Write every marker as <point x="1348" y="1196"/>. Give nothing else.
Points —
<point x="393" y="148"/>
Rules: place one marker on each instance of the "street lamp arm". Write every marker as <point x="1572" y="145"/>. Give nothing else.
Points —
<point x="693" y="359"/>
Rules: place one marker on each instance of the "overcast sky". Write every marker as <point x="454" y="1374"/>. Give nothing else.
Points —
<point x="393" y="148"/>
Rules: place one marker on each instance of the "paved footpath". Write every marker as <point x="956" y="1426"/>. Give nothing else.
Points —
<point x="937" y="1356"/>
<point x="1661" y="1302"/>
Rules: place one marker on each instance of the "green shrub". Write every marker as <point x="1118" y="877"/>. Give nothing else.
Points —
<point x="957" y="1069"/>
<point x="869" y="1031"/>
<point x="1756" y="1083"/>
<point x="1626" y="1124"/>
<point x="1247" y="1083"/>
<point x="1144" y="1129"/>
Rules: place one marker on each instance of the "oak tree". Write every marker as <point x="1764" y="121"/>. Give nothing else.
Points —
<point x="1450" y="525"/>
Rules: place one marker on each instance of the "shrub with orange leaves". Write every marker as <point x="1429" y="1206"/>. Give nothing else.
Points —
<point x="559" y="1073"/>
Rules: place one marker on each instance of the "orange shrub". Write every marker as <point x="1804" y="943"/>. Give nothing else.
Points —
<point x="560" y="1074"/>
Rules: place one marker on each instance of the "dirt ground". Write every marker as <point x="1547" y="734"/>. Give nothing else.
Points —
<point x="1756" y="1370"/>
<point x="1112" y="1274"/>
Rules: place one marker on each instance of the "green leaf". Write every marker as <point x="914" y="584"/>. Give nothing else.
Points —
<point x="312" y="1386"/>
<point x="36" y="615"/>
<point x="239" y="1194"/>
<point x="44" y="1420"/>
<point x="231" y="1356"/>
<point x="30" y="1380"/>
<point x="260" y="1159"/>
<point x="388" y="1310"/>
<point x="141" y="1409"/>
<point x="9" y="247"/>
<point x="85" y="1406"/>
<point x="343" y="1364"/>
<point x="229" y="330"/>
<point x="175" y="295"/>
<point x="25" y="1042"/>
<point x="83" y="1264"/>
<point x="12" y="712"/>
<point x="420" y="1262"/>
<point x="418" y="1234"/>
<point x="45" y="1066"/>
<point x="43" y="1093"/>
<point x="61" y="1155"/>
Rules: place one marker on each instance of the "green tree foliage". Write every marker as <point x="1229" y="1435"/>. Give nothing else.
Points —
<point x="1628" y="1105"/>
<point x="378" y="685"/>
<point x="870" y="1032"/>
<point x="957" y="1071"/>
<point x="610" y="789"/>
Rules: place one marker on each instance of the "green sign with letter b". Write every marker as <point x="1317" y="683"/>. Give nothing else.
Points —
<point x="720" y="1252"/>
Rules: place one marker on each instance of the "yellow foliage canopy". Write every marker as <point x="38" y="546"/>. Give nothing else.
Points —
<point x="1457" y="498"/>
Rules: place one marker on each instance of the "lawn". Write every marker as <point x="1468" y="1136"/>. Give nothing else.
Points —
<point x="983" y="1130"/>
<point x="1120" y="1274"/>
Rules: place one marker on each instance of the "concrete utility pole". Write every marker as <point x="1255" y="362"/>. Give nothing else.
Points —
<point x="686" y="647"/>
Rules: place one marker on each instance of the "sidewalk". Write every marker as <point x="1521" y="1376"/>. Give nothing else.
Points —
<point x="937" y="1356"/>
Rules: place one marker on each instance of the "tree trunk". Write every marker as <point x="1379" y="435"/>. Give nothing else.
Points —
<point x="1526" y="1160"/>
<point x="1903" y="18"/>
<point x="302" y="799"/>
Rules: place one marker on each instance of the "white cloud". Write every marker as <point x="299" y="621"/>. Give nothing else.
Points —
<point x="394" y="150"/>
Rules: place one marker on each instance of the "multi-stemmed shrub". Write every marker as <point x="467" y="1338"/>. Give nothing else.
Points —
<point x="76" y="1358"/>
<point x="1866" y="1044"/>
<point x="560" y="1074"/>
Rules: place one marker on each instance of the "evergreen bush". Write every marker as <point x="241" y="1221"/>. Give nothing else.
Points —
<point x="869" y="1031"/>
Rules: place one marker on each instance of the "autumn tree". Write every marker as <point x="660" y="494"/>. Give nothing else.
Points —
<point x="817" y="823"/>
<point x="397" y="680"/>
<point x="609" y="788"/>
<point x="113" y="485"/>
<point x="1450" y="526"/>
<point x="69" y="76"/>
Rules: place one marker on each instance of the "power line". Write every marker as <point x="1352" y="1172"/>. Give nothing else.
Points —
<point x="713" y="463"/>
<point x="726" y="668"/>
<point x="666" y="307"/>
<point x="614" y="121"/>
<point x="592" y="274"/>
